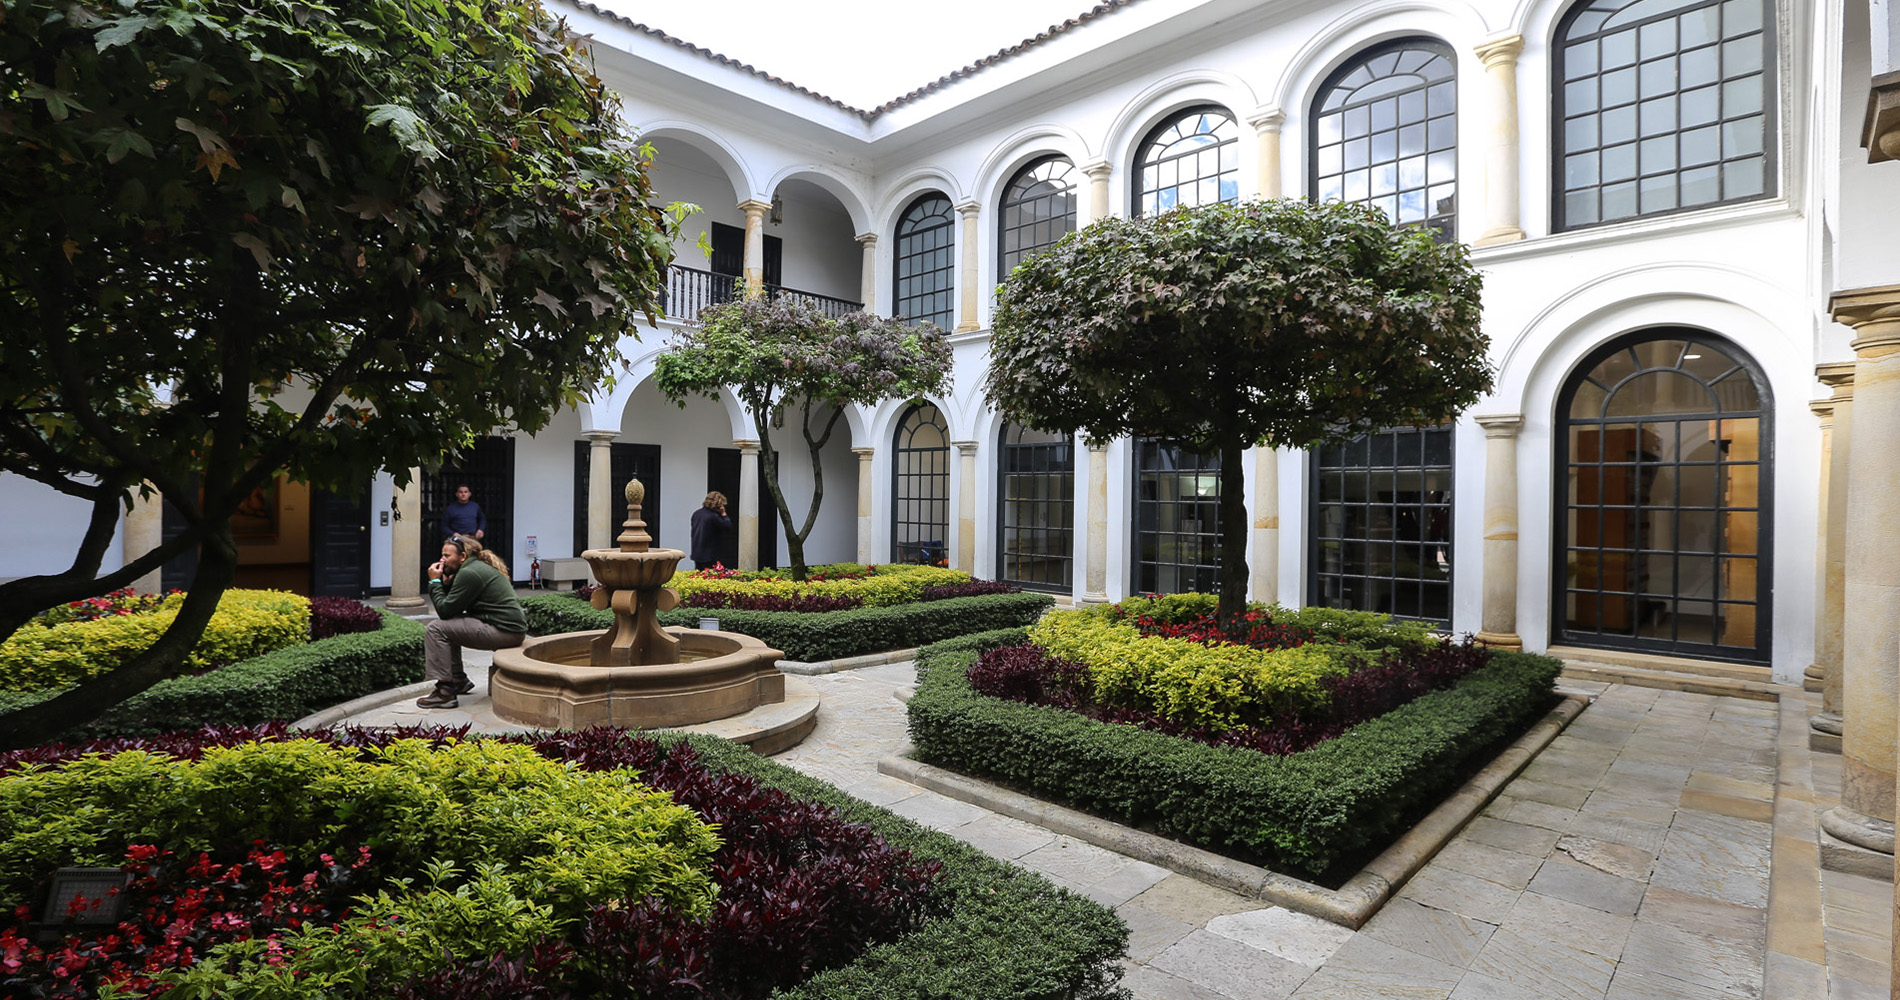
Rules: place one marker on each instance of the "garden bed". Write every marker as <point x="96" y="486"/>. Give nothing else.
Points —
<point x="1314" y="812"/>
<point x="979" y="928"/>
<point x="898" y="608"/>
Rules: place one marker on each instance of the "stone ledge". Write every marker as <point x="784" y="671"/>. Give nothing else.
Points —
<point x="1691" y="682"/>
<point x="1351" y="905"/>
<point x="844" y="663"/>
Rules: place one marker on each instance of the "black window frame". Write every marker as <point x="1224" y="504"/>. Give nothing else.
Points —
<point x="1560" y="149"/>
<point x="1443" y="224"/>
<point x="1424" y="518"/>
<point x="1206" y="568"/>
<point x="1762" y="652"/>
<point x="1010" y="203"/>
<point x="909" y="545"/>
<point x="1059" y="547"/>
<point x="915" y="219"/>
<point x="1174" y="120"/>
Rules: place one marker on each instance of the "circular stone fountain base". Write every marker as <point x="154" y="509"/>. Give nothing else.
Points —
<point x="547" y="683"/>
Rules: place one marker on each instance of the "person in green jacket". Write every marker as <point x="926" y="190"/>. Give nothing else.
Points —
<point x="476" y="604"/>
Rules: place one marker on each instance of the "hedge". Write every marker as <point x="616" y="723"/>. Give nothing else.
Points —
<point x="1304" y="812"/>
<point x="885" y="587"/>
<point x="246" y="623"/>
<point x="1009" y="934"/>
<point x="814" y="637"/>
<point x="287" y="684"/>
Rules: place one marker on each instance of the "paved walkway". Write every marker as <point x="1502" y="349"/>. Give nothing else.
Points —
<point x="1662" y="847"/>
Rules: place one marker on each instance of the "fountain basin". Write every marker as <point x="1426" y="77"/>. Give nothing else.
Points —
<point x="548" y="683"/>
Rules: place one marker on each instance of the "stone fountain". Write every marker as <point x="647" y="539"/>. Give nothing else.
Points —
<point x="635" y="674"/>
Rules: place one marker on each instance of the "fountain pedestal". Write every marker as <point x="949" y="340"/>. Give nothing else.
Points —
<point x="636" y="674"/>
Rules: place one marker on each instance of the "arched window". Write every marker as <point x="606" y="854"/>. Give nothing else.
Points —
<point x="1382" y="518"/>
<point x="1038" y="210"/>
<point x="1661" y="105"/>
<point x="1190" y="159"/>
<point x="1665" y="461"/>
<point x="1177" y="519"/>
<point x="920" y="516"/>
<point x="926" y="268"/>
<point x="1385" y="133"/>
<point x="1035" y="472"/>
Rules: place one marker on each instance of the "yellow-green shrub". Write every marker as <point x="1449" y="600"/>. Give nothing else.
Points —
<point x="1218" y="686"/>
<point x="247" y="623"/>
<point x="891" y="585"/>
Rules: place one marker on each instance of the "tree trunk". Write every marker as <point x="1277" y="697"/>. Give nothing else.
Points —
<point x="1233" y="538"/>
<point x="50" y="719"/>
<point x="768" y="457"/>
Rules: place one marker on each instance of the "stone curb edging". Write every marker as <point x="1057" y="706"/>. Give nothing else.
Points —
<point x="1349" y="906"/>
<point x="844" y="663"/>
<point x="1718" y="686"/>
<point x="357" y="706"/>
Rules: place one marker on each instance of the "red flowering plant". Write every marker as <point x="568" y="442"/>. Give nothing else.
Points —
<point x="124" y="601"/>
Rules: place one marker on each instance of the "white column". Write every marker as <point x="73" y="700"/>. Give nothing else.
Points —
<point x="1098" y="174"/>
<point x="600" y="489"/>
<point x="966" y="506"/>
<point x="1870" y="633"/>
<point x="1095" y="587"/>
<point x="1498" y="620"/>
<point x="867" y="272"/>
<point x="865" y="458"/>
<point x="748" y="504"/>
<point x="145" y="531"/>
<point x="1264" y="560"/>
<point x="754" y="269"/>
<point x="1499" y="56"/>
<point x="1267" y="124"/>
<point x="1833" y="603"/>
<point x="966" y="313"/>
<point x="405" y="548"/>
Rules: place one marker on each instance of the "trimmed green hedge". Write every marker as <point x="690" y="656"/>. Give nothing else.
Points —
<point x="1305" y="811"/>
<point x="1009" y="934"/>
<point x="813" y="637"/>
<point x="287" y="684"/>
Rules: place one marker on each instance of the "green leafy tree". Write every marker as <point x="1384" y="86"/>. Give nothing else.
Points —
<point x="1276" y="323"/>
<point x="242" y="239"/>
<point x="783" y="353"/>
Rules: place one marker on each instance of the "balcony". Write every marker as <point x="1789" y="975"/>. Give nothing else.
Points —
<point x="689" y="289"/>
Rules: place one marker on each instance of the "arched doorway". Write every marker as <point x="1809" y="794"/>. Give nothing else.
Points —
<point x="920" y="486"/>
<point x="1664" y="485"/>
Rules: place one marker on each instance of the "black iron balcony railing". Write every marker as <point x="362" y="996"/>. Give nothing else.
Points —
<point x="689" y="289"/>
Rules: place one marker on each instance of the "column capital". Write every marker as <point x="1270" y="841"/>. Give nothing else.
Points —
<point x="1823" y="408"/>
<point x="747" y="447"/>
<point x="864" y="454"/>
<point x="753" y="206"/>
<point x="1874" y="313"/>
<point x="1500" y="51"/>
<point x="968" y="208"/>
<point x="867" y="239"/>
<point x="1097" y="169"/>
<point x="600" y="437"/>
<point x="1838" y="376"/>
<point x="1267" y="119"/>
<point x="1500" y="425"/>
<point x="965" y="447"/>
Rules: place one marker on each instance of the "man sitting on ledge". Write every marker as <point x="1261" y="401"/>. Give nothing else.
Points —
<point x="476" y="602"/>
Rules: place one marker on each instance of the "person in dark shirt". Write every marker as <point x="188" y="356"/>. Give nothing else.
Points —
<point x="710" y="525"/>
<point x="464" y="517"/>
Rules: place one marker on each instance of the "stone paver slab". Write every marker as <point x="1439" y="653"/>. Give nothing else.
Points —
<point x="1620" y="860"/>
<point x="1230" y="968"/>
<point x="1524" y="839"/>
<point x="1558" y="969"/>
<point x="1713" y="917"/>
<point x="1582" y="884"/>
<point x="1127" y="883"/>
<point x="1717" y="856"/>
<point x="1002" y="837"/>
<point x="1465" y="895"/>
<point x="1582" y="927"/>
<point x="1183" y="898"/>
<point x="1367" y="967"/>
<point x="1665" y="961"/>
<point x="1150" y="933"/>
<point x="1507" y="868"/>
<point x="1440" y="935"/>
<point x="1276" y="930"/>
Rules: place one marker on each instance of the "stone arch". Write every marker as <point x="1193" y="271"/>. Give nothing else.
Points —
<point x="847" y="190"/>
<point x="722" y="152"/>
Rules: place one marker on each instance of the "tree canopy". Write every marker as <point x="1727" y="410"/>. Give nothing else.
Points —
<point x="781" y="352"/>
<point x="243" y="239"/>
<point x="1277" y="323"/>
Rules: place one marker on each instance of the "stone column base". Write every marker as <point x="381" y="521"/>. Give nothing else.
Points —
<point x="1813" y="678"/>
<point x="1824" y="733"/>
<point x="1508" y="641"/>
<point x="401" y="604"/>
<point x="1499" y="234"/>
<point x="1856" y="844"/>
<point x="1090" y="597"/>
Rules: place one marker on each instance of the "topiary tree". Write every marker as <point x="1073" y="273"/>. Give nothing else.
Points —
<point x="1277" y="323"/>
<point x="782" y="352"/>
<point x="243" y="239"/>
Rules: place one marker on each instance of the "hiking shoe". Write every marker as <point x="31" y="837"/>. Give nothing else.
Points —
<point x="439" y="698"/>
<point x="465" y="686"/>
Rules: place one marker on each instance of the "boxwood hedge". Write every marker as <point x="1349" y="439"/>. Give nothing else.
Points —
<point x="825" y="636"/>
<point x="1302" y="812"/>
<point x="286" y="684"/>
<point x="1009" y="934"/>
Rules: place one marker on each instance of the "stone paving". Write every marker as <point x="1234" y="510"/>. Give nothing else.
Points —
<point x="1631" y="859"/>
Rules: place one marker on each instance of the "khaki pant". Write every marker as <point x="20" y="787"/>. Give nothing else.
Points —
<point x="443" y="639"/>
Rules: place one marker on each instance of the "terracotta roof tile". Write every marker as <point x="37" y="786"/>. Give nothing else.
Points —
<point x="1094" y="13"/>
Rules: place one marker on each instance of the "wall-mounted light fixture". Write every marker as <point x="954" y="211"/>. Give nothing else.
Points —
<point x="778" y="210"/>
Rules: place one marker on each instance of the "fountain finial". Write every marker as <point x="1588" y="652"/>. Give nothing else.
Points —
<point x="633" y="535"/>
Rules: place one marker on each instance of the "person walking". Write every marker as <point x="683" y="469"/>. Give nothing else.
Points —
<point x="464" y="516"/>
<point x="710" y="525"/>
<point x="476" y="602"/>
